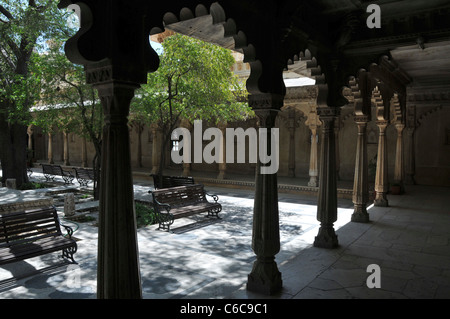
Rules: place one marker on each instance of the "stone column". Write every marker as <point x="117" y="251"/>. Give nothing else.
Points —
<point x="50" y="148"/>
<point x="327" y="199"/>
<point x="84" y="153"/>
<point x="222" y="152"/>
<point x="187" y="145"/>
<point x="291" y="164"/>
<point x="155" y="149"/>
<point x="66" y="149"/>
<point x="313" y="123"/>
<point x="399" y="168"/>
<point x="337" y="128"/>
<point x="410" y="164"/>
<point x="265" y="277"/>
<point x="381" y="178"/>
<point x="118" y="273"/>
<point x="360" y="183"/>
<point x="313" y="163"/>
<point x="30" y="150"/>
<point x="30" y="137"/>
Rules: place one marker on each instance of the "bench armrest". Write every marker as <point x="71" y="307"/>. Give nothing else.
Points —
<point x="165" y="206"/>
<point x="215" y="197"/>
<point x="68" y="229"/>
<point x="67" y="173"/>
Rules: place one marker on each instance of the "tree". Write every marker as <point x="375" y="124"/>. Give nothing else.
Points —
<point x="23" y="27"/>
<point x="64" y="91"/>
<point x="194" y="82"/>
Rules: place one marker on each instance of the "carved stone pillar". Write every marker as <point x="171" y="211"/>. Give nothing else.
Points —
<point x="313" y="163"/>
<point x="50" y="148"/>
<point x="360" y="183"/>
<point x="399" y="163"/>
<point x="313" y="123"/>
<point x="118" y="273"/>
<point x="222" y="152"/>
<point x="381" y="178"/>
<point x="265" y="277"/>
<point x="327" y="200"/>
<point x="66" y="148"/>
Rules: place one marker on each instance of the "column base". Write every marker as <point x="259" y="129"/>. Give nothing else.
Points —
<point x="360" y="214"/>
<point x="313" y="182"/>
<point x="326" y="238"/>
<point x="265" y="277"/>
<point x="381" y="200"/>
<point x="221" y="176"/>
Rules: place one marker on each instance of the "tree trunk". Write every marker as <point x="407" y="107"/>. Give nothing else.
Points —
<point x="13" y="141"/>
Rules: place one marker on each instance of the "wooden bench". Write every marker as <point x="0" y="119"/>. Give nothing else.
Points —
<point x="84" y="175"/>
<point x="171" y="181"/>
<point x="183" y="201"/>
<point x="50" y="171"/>
<point x="34" y="233"/>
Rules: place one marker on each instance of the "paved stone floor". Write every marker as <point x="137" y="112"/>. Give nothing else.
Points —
<point x="210" y="258"/>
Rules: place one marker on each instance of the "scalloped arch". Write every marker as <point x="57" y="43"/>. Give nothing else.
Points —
<point x="230" y="30"/>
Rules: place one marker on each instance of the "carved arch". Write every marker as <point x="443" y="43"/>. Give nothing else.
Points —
<point x="221" y="30"/>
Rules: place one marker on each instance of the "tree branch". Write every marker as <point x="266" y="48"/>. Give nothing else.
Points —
<point x="6" y="13"/>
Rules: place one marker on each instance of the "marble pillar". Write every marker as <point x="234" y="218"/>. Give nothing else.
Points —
<point x="313" y="158"/>
<point x="313" y="123"/>
<point x="187" y="144"/>
<point x="155" y="148"/>
<point x="381" y="178"/>
<point x="291" y="164"/>
<point x="327" y="199"/>
<point x="337" y="128"/>
<point x="360" y="184"/>
<point x="411" y="157"/>
<point x="66" y="149"/>
<point x="222" y="152"/>
<point x="399" y="159"/>
<point x="118" y="274"/>
<point x="84" y="152"/>
<point x="50" y="148"/>
<point x="265" y="277"/>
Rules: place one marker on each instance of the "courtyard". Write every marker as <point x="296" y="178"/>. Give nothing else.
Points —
<point x="205" y="258"/>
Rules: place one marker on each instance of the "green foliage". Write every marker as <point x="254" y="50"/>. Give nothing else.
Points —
<point x="194" y="81"/>
<point x="67" y="101"/>
<point x="145" y="215"/>
<point x="24" y="28"/>
<point x="32" y="185"/>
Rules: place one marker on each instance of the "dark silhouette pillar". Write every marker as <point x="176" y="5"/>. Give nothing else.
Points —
<point x="327" y="200"/>
<point x="118" y="260"/>
<point x="265" y="277"/>
<point x="360" y="184"/>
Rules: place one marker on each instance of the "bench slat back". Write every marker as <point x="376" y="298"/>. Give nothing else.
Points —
<point x="172" y="181"/>
<point x="52" y="169"/>
<point x="23" y="227"/>
<point x="84" y="173"/>
<point x="175" y="196"/>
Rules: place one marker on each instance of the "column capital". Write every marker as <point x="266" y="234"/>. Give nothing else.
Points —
<point x="382" y="123"/>
<point x="328" y="113"/>
<point x="362" y="119"/>
<point x="266" y="101"/>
